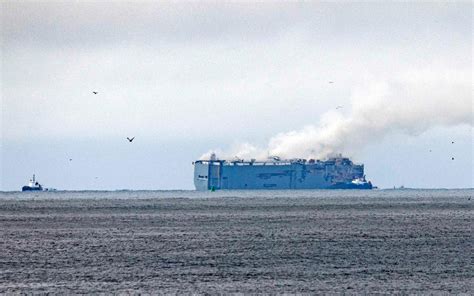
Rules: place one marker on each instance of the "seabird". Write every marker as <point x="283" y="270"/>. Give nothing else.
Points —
<point x="452" y="142"/>
<point x="339" y="107"/>
<point x="452" y="158"/>
<point x="130" y="140"/>
<point x="331" y="81"/>
<point x="94" y="92"/>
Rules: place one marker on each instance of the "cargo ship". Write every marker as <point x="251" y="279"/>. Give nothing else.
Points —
<point x="334" y="173"/>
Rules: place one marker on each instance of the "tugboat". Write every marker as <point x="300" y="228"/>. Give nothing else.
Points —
<point x="361" y="183"/>
<point x="33" y="185"/>
<point x="357" y="183"/>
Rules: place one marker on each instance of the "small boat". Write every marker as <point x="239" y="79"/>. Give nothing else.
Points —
<point x="357" y="183"/>
<point x="33" y="185"/>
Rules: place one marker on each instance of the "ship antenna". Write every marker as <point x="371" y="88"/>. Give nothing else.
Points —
<point x="33" y="178"/>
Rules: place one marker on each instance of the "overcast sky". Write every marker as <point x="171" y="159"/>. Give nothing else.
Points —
<point x="188" y="78"/>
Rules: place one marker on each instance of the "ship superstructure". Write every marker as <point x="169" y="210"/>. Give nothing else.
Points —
<point x="33" y="185"/>
<point x="334" y="173"/>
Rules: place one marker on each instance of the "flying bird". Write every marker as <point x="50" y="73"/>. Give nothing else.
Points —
<point x="94" y="92"/>
<point x="339" y="107"/>
<point x="70" y="159"/>
<point x="452" y="158"/>
<point x="452" y="142"/>
<point x="130" y="140"/>
<point x="331" y="81"/>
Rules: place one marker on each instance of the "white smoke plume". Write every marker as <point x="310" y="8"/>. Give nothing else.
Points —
<point x="411" y="104"/>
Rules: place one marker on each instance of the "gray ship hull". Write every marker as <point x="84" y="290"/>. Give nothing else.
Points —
<point x="337" y="173"/>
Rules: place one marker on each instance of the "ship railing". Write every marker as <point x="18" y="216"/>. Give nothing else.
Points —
<point x="256" y="163"/>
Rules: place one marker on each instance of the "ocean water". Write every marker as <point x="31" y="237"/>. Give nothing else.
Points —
<point x="353" y="242"/>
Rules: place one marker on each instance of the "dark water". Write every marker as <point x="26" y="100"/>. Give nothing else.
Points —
<point x="380" y="241"/>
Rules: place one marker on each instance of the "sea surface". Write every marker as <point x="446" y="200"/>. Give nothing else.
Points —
<point x="306" y="241"/>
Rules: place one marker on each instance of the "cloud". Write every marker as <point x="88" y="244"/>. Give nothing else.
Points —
<point x="230" y="71"/>
<point x="105" y="23"/>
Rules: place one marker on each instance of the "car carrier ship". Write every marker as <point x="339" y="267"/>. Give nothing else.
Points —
<point x="334" y="173"/>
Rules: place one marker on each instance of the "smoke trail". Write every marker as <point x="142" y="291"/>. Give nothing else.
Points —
<point x="412" y="105"/>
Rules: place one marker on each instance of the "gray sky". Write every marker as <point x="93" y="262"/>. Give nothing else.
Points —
<point x="188" y="78"/>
